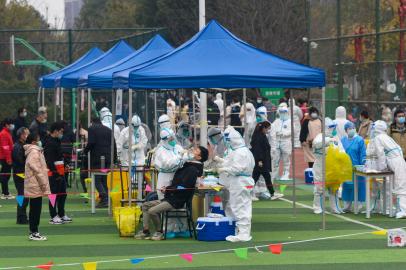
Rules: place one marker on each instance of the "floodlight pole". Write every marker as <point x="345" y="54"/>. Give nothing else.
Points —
<point x="203" y="96"/>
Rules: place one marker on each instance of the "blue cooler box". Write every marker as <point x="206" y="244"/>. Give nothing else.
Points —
<point x="308" y="176"/>
<point x="214" y="229"/>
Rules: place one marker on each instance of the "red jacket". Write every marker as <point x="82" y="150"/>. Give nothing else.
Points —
<point x="6" y="145"/>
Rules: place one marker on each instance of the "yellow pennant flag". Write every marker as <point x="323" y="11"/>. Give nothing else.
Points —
<point x="90" y="266"/>
<point x="381" y="232"/>
<point x="217" y="188"/>
<point x="20" y="175"/>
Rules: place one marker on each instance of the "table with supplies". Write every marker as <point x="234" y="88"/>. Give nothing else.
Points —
<point x="387" y="177"/>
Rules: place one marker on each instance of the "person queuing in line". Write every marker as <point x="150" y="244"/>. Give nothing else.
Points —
<point x="57" y="181"/>
<point x="381" y="144"/>
<point x="235" y="109"/>
<point x="39" y="124"/>
<point x="397" y="130"/>
<point x="99" y="145"/>
<point x="6" y="149"/>
<point x="365" y="125"/>
<point x="354" y="146"/>
<point x="20" y="121"/>
<point x="174" y="197"/>
<point x="18" y="169"/>
<point x="261" y="149"/>
<point x="36" y="184"/>
<point x="236" y="176"/>
<point x="67" y="141"/>
<point x="311" y="127"/>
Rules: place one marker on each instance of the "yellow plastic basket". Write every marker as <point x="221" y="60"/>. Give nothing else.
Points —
<point x="127" y="220"/>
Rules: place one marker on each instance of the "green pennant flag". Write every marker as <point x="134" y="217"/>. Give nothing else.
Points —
<point x="241" y="253"/>
<point x="76" y="144"/>
<point x="282" y="188"/>
<point x="77" y="171"/>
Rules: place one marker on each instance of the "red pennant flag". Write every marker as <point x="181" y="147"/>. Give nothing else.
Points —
<point x="188" y="257"/>
<point x="275" y="248"/>
<point x="46" y="266"/>
<point x="52" y="199"/>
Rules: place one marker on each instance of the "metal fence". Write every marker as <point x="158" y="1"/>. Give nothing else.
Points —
<point x="360" y="44"/>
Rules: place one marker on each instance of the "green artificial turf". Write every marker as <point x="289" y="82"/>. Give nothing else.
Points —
<point x="95" y="238"/>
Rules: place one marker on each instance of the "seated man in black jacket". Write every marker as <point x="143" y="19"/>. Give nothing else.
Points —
<point x="176" y="195"/>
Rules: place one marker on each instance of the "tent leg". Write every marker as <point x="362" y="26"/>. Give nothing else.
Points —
<point x="194" y="118"/>
<point x="323" y="175"/>
<point x="89" y="120"/>
<point x="113" y="108"/>
<point x="61" y="103"/>
<point x="224" y="110"/>
<point x="155" y="120"/>
<point x="244" y="98"/>
<point x="130" y="142"/>
<point x="292" y="128"/>
<point x="203" y="119"/>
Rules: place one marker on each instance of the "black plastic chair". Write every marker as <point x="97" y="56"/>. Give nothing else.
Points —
<point x="180" y="213"/>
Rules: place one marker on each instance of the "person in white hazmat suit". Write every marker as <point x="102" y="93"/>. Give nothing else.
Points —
<point x="215" y="136"/>
<point x="297" y="117"/>
<point x="183" y="135"/>
<point x="164" y="122"/>
<point x="281" y="143"/>
<point x="220" y="104"/>
<point x="341" y="120"/>
<point x="330" y="139"/>
<point x="107" y="120"/>
<point x="380" y="143"/>
<point x="251" y="120"/>
<point x="236" y="176"/>
<point x="138" y="146"/>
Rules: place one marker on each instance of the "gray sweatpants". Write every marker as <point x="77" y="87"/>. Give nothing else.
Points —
<point x="152" y="211"/>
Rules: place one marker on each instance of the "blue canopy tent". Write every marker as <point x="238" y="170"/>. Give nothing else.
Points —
<point x="215" y="58"/>
<point x="49" y="81"/>
<point x="103" y="78"/>
<point x="79" y="76"/>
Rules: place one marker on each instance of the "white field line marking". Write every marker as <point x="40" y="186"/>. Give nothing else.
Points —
<point x="338" y="216"/>
<point x="201" y="252"/>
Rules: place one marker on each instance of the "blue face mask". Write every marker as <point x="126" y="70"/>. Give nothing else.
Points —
<point x="334" y="133"/>
<point x="259" y="119"/>
<point x="351" y="133"/>
<point x="186" y="133"/>
<point x="213" y="141"/>
<point x="401" y="120"/>
<point x="172" y="143"/>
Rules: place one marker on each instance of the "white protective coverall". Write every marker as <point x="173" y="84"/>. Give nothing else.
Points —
<point x="220" y="104"/>
<point x="164" y="122"/>
<point x="216" y="140"/>
<point x="171" y="110"/>
<point x="297" y="117"/>
<point x="166" y="160"/>
<point x="251" y="121"/>
<point x="183" y="135"/>
<point x="281" y="143"/>
<point x="107" y="120"/>
<point x="120" y="123"/>
<point x="395" y="161"/>
<point x="235" y="174"/>
<point x="139" y="143"/>
<point x="341" y="120"/>
<point x="331" y="139"/>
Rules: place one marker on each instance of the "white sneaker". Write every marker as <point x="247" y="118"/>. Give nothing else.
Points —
<point x="157" y="236"/>
<point x="400" y="215"/>
<point x="254" y="198"/>
<point x="285" y="177"/>
<point x="318" y="211"/>
<point x="66" y="219"/>
<point x="2" y="196"/>
<point x="276" y="196"/>
<point x="56" y="221"/>
<point x="9" y="197"/>
<point x="37" y="237"/>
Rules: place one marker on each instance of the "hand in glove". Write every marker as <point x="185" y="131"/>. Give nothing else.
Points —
<point x="218" y="159"/>
<point x="136" y="147"/>
<point x="221" y="170"/>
